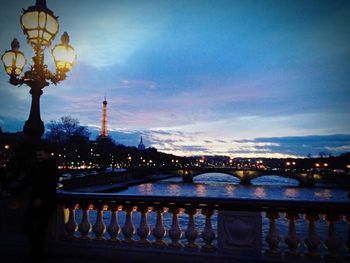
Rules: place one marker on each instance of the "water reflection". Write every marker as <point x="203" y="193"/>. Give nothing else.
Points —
<point x="274" y="180"/>
<point x="230" y="190"/>
<point x="291" y="193"/>
<point x="174" y="189"/>
<point x="260" y="192"/>
<point x="201" y="190"/>
<point x="146" y="188"/>
<point x="324" y="194"/>
<point x="216" y="186"/>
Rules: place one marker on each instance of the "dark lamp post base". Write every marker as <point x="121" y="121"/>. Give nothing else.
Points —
<point x="33" y="130"/>
<point x="34" y="127"/>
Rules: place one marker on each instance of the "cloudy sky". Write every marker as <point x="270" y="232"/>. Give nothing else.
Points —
<point x="240" y="78"/>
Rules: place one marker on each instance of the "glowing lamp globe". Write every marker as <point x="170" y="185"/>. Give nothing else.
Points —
<point x="39" y="24"/>
<point x="63" y="54"/>
<point x="14" y="60"/>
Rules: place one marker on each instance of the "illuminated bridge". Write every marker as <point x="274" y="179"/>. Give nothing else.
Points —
<point x="109" y="227"/>
<point x="246" y="175"/>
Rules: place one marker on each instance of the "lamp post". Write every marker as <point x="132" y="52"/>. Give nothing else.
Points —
<point x="40" y="26"/>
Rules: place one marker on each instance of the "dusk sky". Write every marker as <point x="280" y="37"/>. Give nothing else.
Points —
<point x="237" y="78"/>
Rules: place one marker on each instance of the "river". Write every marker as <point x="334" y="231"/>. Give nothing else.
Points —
<point x="221" y="185"/>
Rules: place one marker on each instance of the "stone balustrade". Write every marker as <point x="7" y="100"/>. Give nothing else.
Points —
<point x="185" y="226"/>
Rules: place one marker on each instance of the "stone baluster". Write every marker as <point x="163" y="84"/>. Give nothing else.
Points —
<point x="71" y="226"/>
<point x="175" y="230"/>
<point x="273" y="237"/>
<point x="144" y="230"/>
<point x="312" y="241"/>
<point x="292" y="239"/>
<point x="332" y="242"/>
<point x="85" y="226"/>
<point x="113" y="228"/>
<point x="208" y="233"/>
<point x="159" y="229"/>
<point x="128" y="229"/>
<point x="99" y="227"/>
<point x="191" y="232"/>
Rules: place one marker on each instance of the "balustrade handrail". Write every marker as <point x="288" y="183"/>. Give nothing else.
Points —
<point x="339" y="207"/>
<point x="238" y="232"/>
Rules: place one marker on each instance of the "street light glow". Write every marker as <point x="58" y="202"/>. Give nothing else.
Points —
<point x="14" y="60"/>
<point x="40" y="26"/>
<point x="63" y="54"/>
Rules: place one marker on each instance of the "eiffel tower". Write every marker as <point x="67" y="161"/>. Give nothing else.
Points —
<point x="104" y="133"/>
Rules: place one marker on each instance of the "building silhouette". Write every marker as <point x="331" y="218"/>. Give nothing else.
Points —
<point x="141" y="146"/>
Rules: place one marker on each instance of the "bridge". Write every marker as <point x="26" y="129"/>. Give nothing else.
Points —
<point x="98" y="227"/>
<point x="246" y="175"/>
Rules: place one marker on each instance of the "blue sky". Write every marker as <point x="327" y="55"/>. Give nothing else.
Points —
<point x="199" y="77"/>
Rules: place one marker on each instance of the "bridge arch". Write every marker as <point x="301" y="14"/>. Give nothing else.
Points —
<point x="243" y="175"/>
<point x="229" y="176"/>
<point x="247" y="175"/>
<point x="276" y="180"/>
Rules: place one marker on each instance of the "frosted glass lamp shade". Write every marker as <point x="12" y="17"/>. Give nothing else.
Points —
<point x="64" y="54"/>
<point x="14" y="60"/>
<point x="39" y="25"/>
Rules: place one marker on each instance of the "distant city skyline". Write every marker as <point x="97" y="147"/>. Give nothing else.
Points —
<point x="237" y="78"/>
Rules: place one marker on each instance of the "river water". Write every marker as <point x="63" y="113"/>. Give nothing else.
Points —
<point x="221" y="185"/>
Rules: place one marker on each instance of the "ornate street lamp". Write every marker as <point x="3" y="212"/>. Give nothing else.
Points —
<point x="40" y="26"/>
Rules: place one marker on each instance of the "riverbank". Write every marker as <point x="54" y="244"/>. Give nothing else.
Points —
<point x="119" y="186"/>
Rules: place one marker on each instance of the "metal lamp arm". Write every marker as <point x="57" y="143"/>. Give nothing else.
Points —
<point x="57" y="77"/>
<point x="15" y="81"/>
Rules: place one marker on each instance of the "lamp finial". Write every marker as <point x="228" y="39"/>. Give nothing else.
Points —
<point x="65" y="38"/>
<point x="41" y="3"/>
<point x="15" y="44"/>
